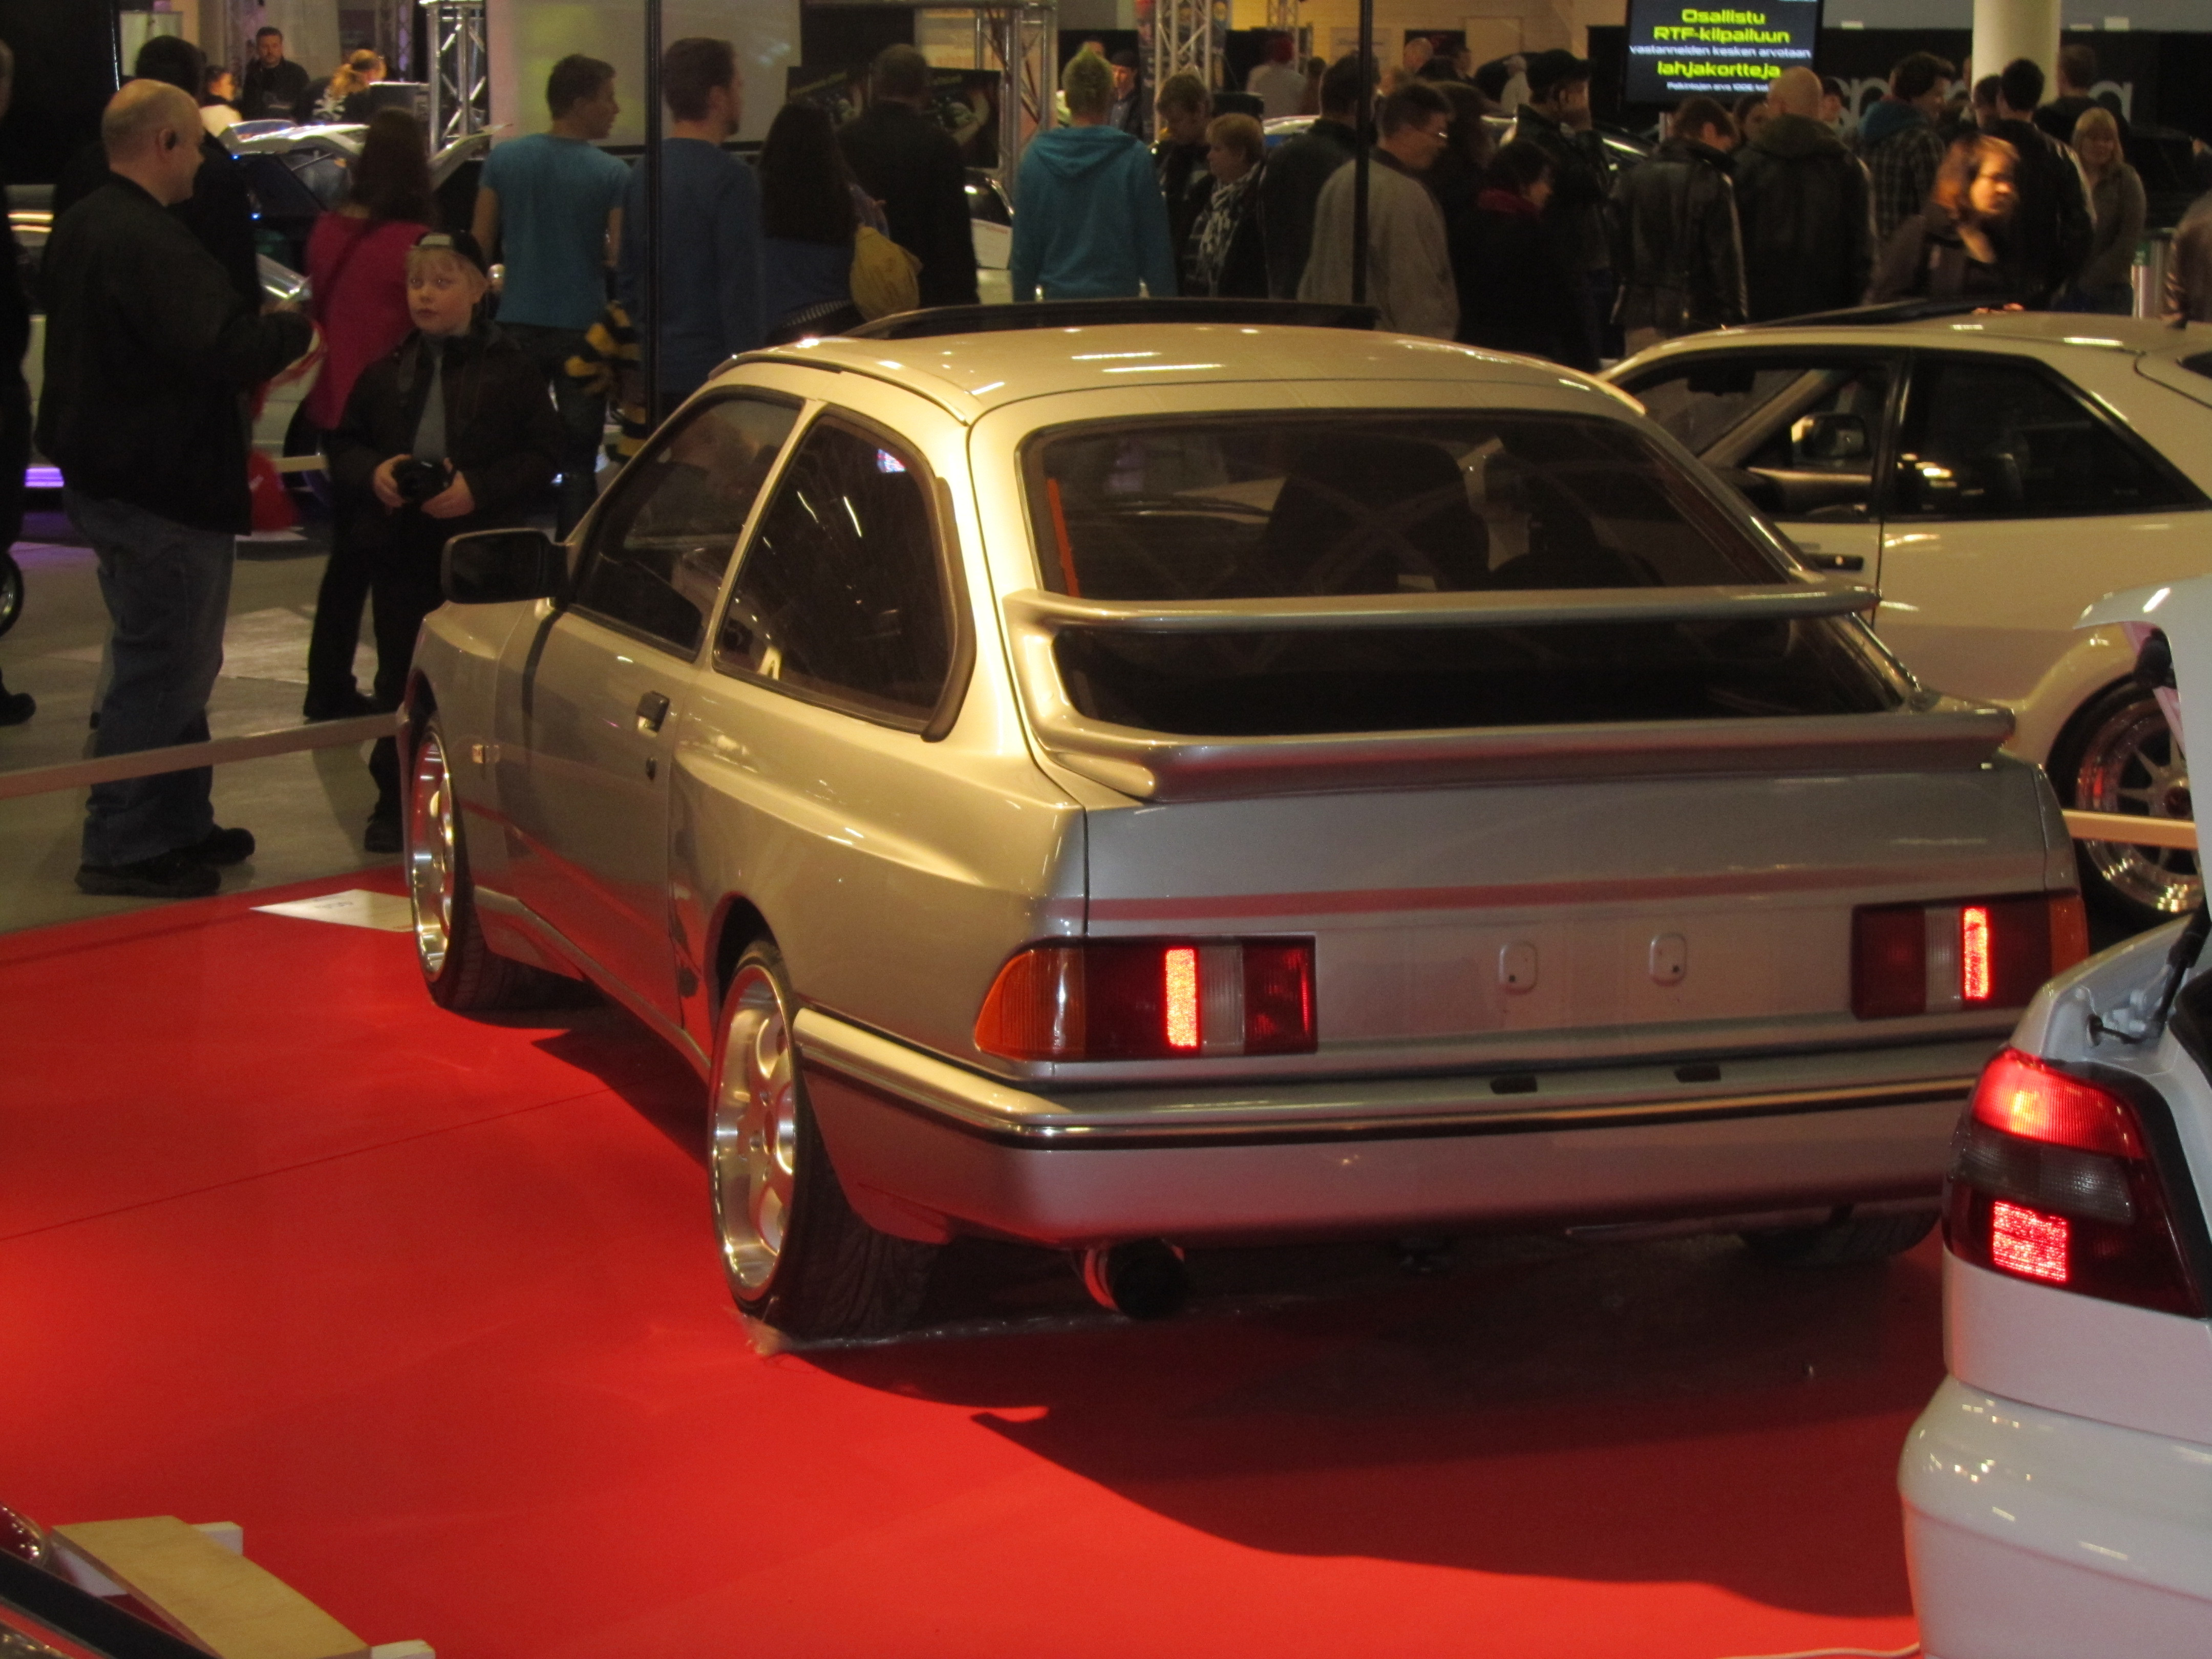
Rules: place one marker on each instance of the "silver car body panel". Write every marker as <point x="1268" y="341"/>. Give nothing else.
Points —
<point x="898" y="873"/>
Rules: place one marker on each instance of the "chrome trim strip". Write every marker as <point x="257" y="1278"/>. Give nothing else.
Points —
<point x="979" y="1106"/>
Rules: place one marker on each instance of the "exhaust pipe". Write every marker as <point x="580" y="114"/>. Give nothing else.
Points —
<point x="1143" y="1280"/>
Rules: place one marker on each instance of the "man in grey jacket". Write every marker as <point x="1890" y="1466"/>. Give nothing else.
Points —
<point x="1409" y="274"/>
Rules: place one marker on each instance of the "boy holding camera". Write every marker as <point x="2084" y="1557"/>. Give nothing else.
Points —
<point x="454" y="432"/>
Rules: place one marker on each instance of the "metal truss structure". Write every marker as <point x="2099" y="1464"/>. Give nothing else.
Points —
<point x="460" y="71"/>
<point x="1023" y="44"/>
<point x="1190" y="34"/>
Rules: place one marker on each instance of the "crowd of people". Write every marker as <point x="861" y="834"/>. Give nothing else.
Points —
<point x="1783" y="205"/>
<point x="437" y="418"/>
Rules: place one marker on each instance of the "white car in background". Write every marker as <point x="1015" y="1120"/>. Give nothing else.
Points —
<point x="1992" y="473"/>
<point x="2058" y="1491"/>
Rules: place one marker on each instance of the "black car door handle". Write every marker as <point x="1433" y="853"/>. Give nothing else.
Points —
<point x="1834" y="561"/>
<point x="652" y="709"/>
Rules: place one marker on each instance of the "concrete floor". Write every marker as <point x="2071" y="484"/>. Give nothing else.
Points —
<point x="307" y="810"/>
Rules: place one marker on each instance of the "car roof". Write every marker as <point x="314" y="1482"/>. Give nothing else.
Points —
<point x="2136" y="336"/>
<point x="969" y="374"/>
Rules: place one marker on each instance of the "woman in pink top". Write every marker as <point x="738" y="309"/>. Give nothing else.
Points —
<point x="357" y="272"/>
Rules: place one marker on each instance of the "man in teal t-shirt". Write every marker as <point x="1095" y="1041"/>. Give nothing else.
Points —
<point x="550" y="207"/>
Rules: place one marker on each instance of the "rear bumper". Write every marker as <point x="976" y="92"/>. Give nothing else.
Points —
<point x="926" y="1149"/>
<point x="2032" y="1534"/>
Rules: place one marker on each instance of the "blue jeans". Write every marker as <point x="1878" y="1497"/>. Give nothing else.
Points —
<point x="168" y="589"/>
<point x="583" y="415"/>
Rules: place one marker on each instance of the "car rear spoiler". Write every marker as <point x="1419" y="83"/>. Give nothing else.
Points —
<point x="1932" y="735"/>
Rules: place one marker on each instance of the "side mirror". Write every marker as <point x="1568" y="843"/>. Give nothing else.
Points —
<point x="497" y="567"/>
<point x="1830" y="439"/>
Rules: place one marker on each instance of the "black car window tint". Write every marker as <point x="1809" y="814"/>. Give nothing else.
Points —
<point x="839" y="596"/>
<point x="659" y="552"/>
<point x="1277" y="506"/>
<point x="1991" y="438"/>
<point x="1811" y="427"/>
<point x="1702" y="401"/>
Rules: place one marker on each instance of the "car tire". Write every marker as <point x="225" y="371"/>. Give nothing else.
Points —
<point x="1855" y="1238"/>
<point x="460" y="969"/>
<point x="11" y="590"/>
<point x="2117" y="756"/>
<point x="796" y="1257"/>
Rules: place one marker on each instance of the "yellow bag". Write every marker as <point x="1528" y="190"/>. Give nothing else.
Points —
<point x="886" y="277"/>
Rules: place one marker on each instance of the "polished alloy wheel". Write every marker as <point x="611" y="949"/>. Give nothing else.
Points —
<point x="2130" y="764"/>
<point x="755" y="1144"/>
<point x="433" y="858"/>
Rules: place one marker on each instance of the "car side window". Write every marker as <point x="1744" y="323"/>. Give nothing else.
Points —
<point x="841" y="596"/>
<point x="1810" y="428"/>
<point x="657" y="554"/>
<point x="1987" y="437"/>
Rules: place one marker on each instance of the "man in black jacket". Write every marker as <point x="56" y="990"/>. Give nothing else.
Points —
<point x="2052" y="229"/>
<point x="1806" y="207"/>
<point x="1291" y="186"/>
<point x="274" y="84"/>
<point x="908" y="162"/>
<point x="1677" y="253"/>
<point x="1556" y="120"/>
<point x="218" y="212"/>
<point x="150" y="352"/>
<point x="1179" y="162"/>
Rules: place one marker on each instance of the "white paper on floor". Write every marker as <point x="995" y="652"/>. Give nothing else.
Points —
<point x="267" y="645"/>
<point x="355" y="908"/>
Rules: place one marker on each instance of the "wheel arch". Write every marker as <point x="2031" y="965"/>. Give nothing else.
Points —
<point x="2050" y="716"/>
<point x="737" y="923"/>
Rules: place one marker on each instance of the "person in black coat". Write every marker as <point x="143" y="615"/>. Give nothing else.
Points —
<point x="1290" y="191"/>
<point x="905" y="160"/>
<point x="220" y="211"/>
<point x="1515" y="293"/>
<point x="149" y="353"/>
<point x="1677" y="253"/>
<point x="1806" y="209"/>
<point x="454" y="432"/>
<point x="1180" y="162"/>
<point x="1227" y="258"/>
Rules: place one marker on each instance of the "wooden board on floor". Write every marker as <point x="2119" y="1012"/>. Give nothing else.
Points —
<point x="232" y="1607"/>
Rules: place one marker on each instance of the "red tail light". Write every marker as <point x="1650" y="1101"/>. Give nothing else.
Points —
<point x="1152" y="1000"/>
<point x="1983" y="953"/>
<point x="2054" y="1182"/>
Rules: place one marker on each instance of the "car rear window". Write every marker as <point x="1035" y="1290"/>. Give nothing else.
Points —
<point x="1259" y="507"/>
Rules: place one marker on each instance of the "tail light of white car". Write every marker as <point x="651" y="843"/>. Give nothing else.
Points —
<point x="1152" y="1000"/>
<point x="1976" y="953"/>
<point x="2054" y="1181"/>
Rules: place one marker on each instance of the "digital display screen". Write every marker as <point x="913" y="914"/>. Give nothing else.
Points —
<point x="1678" y="51"/>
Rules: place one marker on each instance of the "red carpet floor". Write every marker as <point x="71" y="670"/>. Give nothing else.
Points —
<point x="429" y="1305"/>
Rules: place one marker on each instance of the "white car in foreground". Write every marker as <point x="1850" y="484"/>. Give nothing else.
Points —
<point x="2058" y="1491"/>
<point x="1992" y="473"/>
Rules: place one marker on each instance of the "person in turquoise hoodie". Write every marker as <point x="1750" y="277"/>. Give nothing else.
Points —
<point x="1091" y="224"/>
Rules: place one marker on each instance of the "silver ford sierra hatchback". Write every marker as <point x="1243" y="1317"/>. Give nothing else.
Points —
<point x="1124" y="782"/>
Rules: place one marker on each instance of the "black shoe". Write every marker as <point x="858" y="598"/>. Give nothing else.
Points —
<point x="175" y="874"/>
<point x="382" y="835"/>
<point x="348" y="704"/>
<point x="16" y="707"/>
<point x="221" y="847"/>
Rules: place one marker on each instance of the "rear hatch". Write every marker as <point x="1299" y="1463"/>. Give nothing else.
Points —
<point x="1535" y="736"/>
